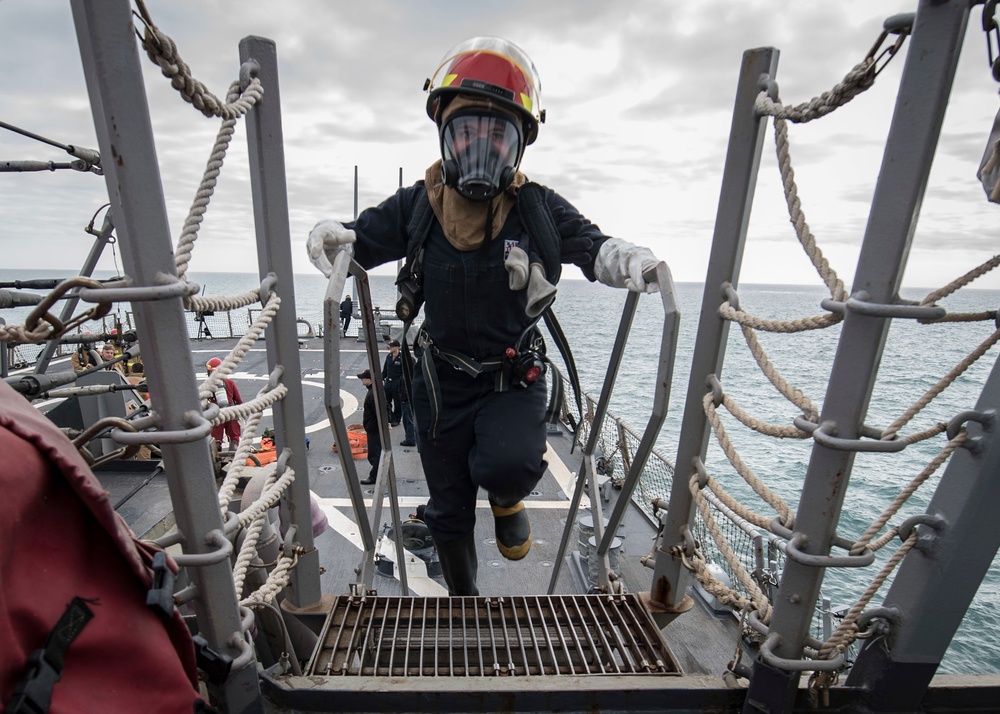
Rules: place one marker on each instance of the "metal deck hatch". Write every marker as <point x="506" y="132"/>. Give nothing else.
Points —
<point x="375" y="636"/>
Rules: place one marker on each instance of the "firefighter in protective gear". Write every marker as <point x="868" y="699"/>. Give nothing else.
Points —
<point x="476" y="428"/>
<point x="227" y="394"/>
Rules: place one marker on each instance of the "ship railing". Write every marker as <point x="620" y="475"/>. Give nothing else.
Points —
<point x="163" y="301"/>
<point x="761" y="552"/>
<point x="925" y="584"/>
<point x="373" y="330"/>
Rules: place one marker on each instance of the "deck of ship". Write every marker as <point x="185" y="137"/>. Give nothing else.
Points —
<point x="701" y="642"/>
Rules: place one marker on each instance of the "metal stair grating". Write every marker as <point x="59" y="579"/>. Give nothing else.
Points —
<point x="375" y="636"/>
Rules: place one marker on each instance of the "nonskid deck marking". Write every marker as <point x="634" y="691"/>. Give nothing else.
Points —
<point x="560" y="472"/>
<point x="414" y="501"/>
<point x="348" y="529"/>
<point x="349" y="401"/>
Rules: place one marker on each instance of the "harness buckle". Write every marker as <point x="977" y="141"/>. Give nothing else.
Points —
<point x="160" y="597"/>
<point x="33" y="694"/>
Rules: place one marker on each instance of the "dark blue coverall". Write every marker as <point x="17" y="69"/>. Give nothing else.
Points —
<point x="484" y="438"/>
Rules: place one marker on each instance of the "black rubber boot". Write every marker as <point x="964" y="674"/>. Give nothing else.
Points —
<point x="459" y="565"/>
<point x="513" y="529"/>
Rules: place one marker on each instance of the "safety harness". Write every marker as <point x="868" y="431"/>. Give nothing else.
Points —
<point x="513" y="367"/>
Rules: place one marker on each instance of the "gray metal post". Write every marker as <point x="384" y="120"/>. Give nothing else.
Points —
<point x="121" y="118"/>
<point x="274" y="251"/>
<point x="938" y="579"/>
<point x="916" y="125"/>
<point x="746" y="139"/>
<point x="103" y="236"/>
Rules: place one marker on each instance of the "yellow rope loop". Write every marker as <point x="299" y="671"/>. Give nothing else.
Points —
<point x="819" y="687"/>
<point x="223" y="303"/>
<point x="941" y="385"/>
<point x="162" y="50"/>
<point x="253" y="406"/>
<point x="908" y="491"/>
<point x="726" y="595"/>
<point x="962" y="281"/>
<point x="270" y="495"/>
<point x="772" y="499"/>
<point x="856" y="81"/>
<point x="276" y="581"/>
<point x="792" y="394"/>
<point x="818" y="322"/>
<point x="762" y="427"/>
<point x="248" y="550"/>
<point x="18" y="333"/>
<point x="802" y="231"/>
<point x="189" y="233"/>
<point x="879" y="543"/>
<point x="981" y="316"/>
<point x="737" y="506"/>
<point x="253" y="333"/>
<point x="238" y="465"/>
<point x="928" y="433"/>
<point x="847" y="631"/>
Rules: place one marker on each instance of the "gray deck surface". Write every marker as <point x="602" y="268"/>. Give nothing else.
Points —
<point x="701" y="642"/>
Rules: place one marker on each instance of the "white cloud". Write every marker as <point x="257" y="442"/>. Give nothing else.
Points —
<point x="639" y="100"/>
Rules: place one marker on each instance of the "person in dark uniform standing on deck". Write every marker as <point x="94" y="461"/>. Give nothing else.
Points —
<point x="409" y="428"/>
<point x="484" y="285"/>
<point x="370" y="419"/>
<point x="392" y="375"/>
<point x="346" y="310"/>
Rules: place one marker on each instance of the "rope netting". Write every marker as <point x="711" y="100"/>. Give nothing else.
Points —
<point x="162" y="50"/>
<point x="746" y="591"/>
<point x="41" y="326"/>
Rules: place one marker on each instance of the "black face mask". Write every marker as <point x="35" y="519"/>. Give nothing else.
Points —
<point x="480" y="152"/>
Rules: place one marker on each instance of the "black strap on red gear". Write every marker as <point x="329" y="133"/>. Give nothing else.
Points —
<point x="33" y="694"/>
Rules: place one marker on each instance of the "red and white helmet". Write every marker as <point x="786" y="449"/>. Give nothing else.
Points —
<point x="489" y="67"/>
<point x="213" y="364"/>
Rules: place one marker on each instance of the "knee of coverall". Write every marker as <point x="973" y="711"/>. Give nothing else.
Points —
<point x="510" y="443"/>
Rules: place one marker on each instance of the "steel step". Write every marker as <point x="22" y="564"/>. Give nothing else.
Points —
<point x="547" y="635"/>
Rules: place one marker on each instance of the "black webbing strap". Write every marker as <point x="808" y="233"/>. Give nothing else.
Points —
<point x="537" y="220"/>
<point x="555" y="330"/>
<point x="33" y="694"/>
<point x="459" y="361"/>
<point x="419" y="226"/>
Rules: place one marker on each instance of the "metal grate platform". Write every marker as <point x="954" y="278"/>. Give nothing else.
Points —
<point x="376" y="636"/>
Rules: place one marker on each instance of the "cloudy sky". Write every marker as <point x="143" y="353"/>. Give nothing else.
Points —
<point x="639" y="101"/>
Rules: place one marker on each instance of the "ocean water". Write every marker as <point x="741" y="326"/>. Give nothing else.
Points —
<point x="915" y="357"/>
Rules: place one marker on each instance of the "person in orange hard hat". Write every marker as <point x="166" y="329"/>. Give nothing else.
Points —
<point x="484" y="248"/>
<point x="227" y="394"/>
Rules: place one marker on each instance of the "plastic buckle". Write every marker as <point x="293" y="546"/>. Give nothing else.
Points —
<point x="215" y="666"/>
<point x="160" y="597"/>
<point x="33" y="694"/>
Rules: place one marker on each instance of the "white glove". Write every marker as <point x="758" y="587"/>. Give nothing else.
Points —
<point x="517" y="268"/>
<point x="541" y="292"/>
<point x="621" y="265"/>
<point x="326" y="239"/>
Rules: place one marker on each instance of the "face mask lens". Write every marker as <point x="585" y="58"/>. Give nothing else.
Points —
<point x="481" y="147"/>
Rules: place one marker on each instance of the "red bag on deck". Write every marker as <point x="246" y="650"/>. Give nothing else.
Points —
<point x="62" y="542"/>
